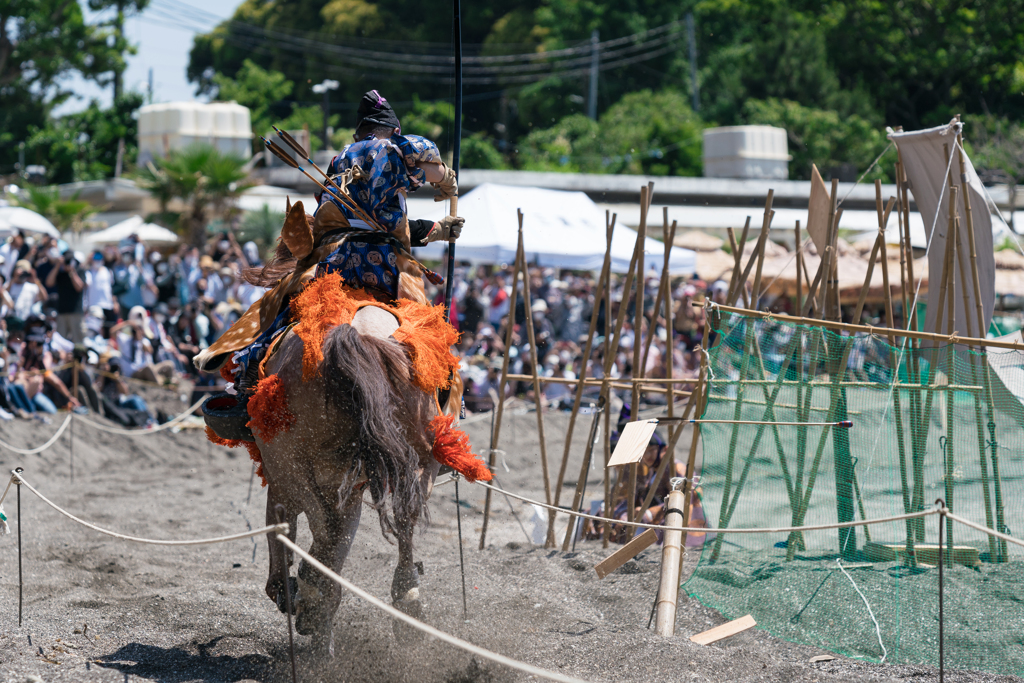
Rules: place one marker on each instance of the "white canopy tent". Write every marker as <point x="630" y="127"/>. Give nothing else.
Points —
<point x="147" y="232"/>
<point x="560" y="230"/>
<point x="15" y="218"/>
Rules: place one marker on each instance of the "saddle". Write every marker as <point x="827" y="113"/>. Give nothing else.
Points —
<point x="310" y="245"/>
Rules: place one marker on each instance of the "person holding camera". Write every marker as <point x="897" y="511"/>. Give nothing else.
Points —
<point x="26" y="290"/>
<point x="67" y="279"/>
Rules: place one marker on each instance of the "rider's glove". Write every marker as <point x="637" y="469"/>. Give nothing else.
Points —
<point x="447" y="229"/>
<point x="447" y="187"/>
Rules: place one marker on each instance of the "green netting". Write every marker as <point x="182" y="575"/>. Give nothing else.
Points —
<point x="944" y="426"/>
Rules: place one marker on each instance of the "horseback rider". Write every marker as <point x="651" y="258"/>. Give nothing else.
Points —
<point x="376" y="171"/>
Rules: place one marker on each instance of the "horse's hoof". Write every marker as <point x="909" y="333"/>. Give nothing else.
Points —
<point x="323" y="644"/>
<point x="293" y="590"/>
<point x="409" y="604"/>
<point x="308" y="617"/>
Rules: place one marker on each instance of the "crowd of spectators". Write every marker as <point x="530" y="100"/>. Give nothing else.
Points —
<point x="562" y="304"/>
<point x="76" y="325"/>
<point x="132" y="311"/>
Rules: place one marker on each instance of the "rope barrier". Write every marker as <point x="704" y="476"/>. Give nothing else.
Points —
<point x="152" y="430"/>
<point x="40" y="449"/>
<point x="17" y="478"/>
<point x="774" y="530"/>
<point x="426" y="628"/>
<point x="979" y="527"/>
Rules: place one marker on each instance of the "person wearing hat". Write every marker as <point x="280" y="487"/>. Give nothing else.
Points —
<point x="65" y="278"/>
<point x="377" y="171"/>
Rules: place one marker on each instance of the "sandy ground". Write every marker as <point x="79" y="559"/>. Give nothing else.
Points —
<point x="99" y="609"/>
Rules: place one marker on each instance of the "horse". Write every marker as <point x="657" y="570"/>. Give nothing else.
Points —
<point x="359" y="423"/>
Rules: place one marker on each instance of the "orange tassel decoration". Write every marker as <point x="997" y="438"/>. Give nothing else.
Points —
<point x="227" y="371"/>
<point x="451" y="447"/>
<point x="320" y="307"/>
<point x="429" y="338"/>
<point x="268" y="409"/>
<point x="254" y="450"/>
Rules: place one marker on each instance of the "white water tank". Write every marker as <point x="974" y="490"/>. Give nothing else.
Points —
<point x="746" y="152"/>
<point x="176" y="125"/>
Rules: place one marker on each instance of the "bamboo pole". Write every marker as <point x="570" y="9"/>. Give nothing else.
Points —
<point x="669" y="341"/>
<point x="976" y="282"/>
<point x="500" y="408"/>
<point x="766" y="223"/>
<point x="606" y="441"/>
<point x="537" y="393"/>
<point x="671" y="559"/>
<point x="702" y="391"/>
<point x="588" y="348"/>
<point x="638" y="322"/>
<point x="737" y="253"/>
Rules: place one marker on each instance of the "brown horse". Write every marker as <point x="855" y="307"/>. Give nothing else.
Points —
<point x="360" y="424"/>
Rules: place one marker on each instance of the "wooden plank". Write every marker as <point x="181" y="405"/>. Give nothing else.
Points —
<point x="625" y="553"/>
<point x="726" y="630"/>
<point x="635" y="438"/>
<point x="967" y="555"/>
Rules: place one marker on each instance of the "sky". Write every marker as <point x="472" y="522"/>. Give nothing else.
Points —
<point x="163" y="36"/>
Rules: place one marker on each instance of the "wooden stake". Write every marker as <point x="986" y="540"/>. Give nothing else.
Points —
<point x="638" y="320"/>
<point x="671" y="558"/>
<point x="537" y="393"/>
<point x="599" y="295"/>
<point x="735" y="285"/>
<point x="766" y="223"/>
<point x="500" y="408"/>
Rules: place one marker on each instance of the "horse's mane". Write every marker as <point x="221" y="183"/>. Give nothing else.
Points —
<point x="273" y="271"/>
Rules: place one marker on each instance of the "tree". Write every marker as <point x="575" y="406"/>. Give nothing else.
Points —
<point x="262" y="226"/>
<point x="121" y="45"/>
<point x="821" y="137"/>
<point x="204" y="178"/>
<point x="84" y="145"/>
<point x="258" y="89"/>
<point x="42" y="42"/>
<point x="645" y="132"/>
<point x="65" y="214"/>
<point x="997" y="150"/>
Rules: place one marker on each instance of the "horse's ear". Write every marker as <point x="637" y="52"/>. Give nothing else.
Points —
<point x="287" y="204"/>
<point x="296" y="234"/>
<point x="328" y="217"/>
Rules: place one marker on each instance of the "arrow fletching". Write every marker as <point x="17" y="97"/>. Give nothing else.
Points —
<point x="291" y="142"/>
<point x="280" y="153"/>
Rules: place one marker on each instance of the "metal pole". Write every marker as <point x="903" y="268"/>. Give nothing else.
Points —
<point x="462" y="560"/>
<point x="692" y="40"/>
<point x="457" y="30"/>
<point x="595" y="61"/>
<point x="942" y="658"/>
<point x="20" y="580"/>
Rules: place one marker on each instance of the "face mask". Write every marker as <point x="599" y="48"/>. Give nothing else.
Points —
<point x="161" y="268"/>
<point x="16" y="346"/>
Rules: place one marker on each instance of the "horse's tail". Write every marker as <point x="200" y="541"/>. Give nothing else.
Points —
<point x="360" y="373"/>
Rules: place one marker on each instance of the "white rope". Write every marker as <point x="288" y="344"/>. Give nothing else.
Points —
<point x="979" y="527"/>
<point x="158" y="428"/>
<point x="774" y="530"/>
<point x="426" y="628"/>
<point x="878" y="630"/>
<point x="40" y="449"/>
<point x="19" y="479"/>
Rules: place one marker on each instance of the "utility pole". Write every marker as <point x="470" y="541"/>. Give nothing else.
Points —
<point x="149" y="87"/>
<point x="595" y="61"/>
<point x="325" y="87"/>
<point x="119" y="33"/>
<point x="691" y="38"/>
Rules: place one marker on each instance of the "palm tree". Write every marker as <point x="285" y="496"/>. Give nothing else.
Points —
<point x="262" y="227"/>
<point x="65" y="214"/>
<point x="206" y="179"/>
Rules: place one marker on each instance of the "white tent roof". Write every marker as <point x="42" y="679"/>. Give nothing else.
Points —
<point x="15" y="218"/>
<point x="147" y="232"/>
<point x="276" y="198"/>
<point x="560" y="229"/>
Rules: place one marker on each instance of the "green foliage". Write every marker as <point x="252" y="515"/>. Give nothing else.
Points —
<point x="83" y="146"/>
<point x="206" y="179"/>
<point x="996" y="146"/>
<point x="644" y="133"/>
<point x="65" y="214"/>
<point x="821" y="137"/>
<point x="477" y="151"/>
<point x="262" y="227"/>
<point x="258" y="89"/>
<point x="41" y="43"/>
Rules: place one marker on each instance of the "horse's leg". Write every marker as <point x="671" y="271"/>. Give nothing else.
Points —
<point x="334" y="528"/>
<point x="280" y="557"/>
<point x="405" y="591"/>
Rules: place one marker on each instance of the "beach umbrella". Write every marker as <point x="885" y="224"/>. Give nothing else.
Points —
<point x="147" y="232"/>
<point x="15" y="218"/>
